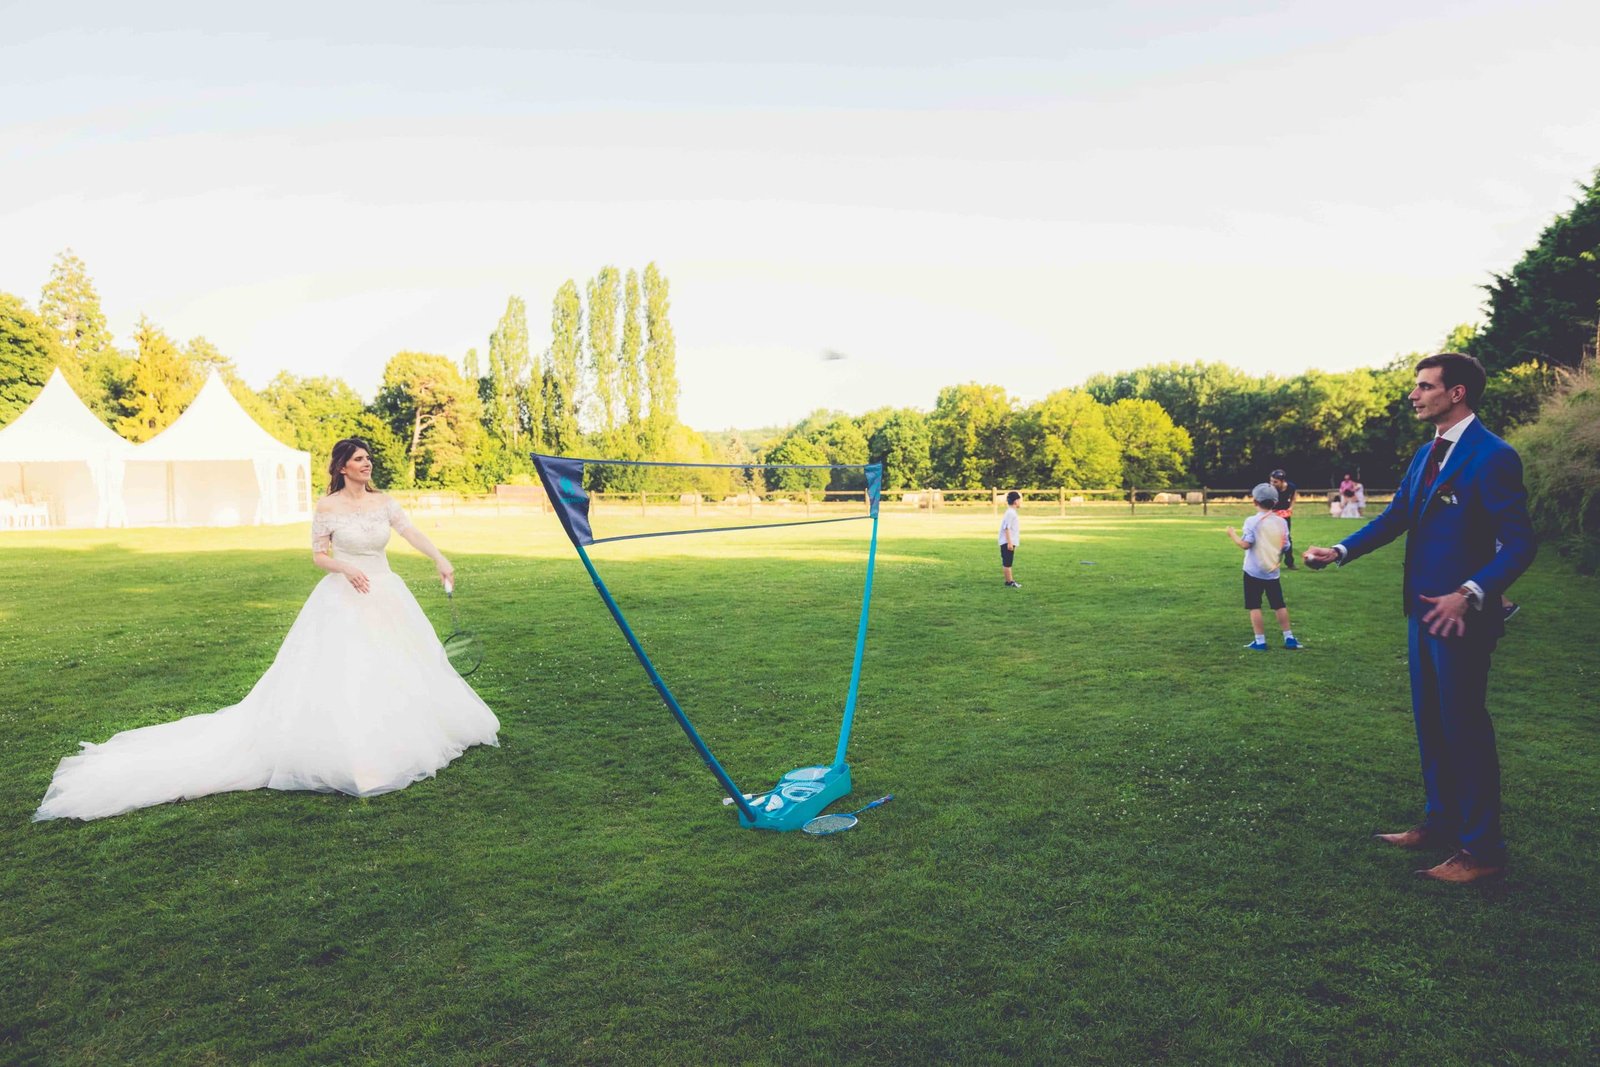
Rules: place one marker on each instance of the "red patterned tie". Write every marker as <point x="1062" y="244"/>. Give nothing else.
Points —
<point x="1441" y="445"/>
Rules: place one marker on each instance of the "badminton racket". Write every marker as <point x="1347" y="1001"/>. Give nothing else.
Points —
<point x="823" y="825"/>
<point x="462" y="647"/>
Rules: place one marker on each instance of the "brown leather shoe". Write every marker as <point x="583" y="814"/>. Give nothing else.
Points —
<point x="1461" y="868"/>
<point x="1419" y="836"/>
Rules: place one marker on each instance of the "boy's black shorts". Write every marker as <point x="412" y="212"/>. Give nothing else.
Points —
<point x="1006" y="555"/>
<point x="1254" y="587"/>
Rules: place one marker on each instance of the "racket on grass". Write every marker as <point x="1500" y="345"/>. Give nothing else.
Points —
<point x="823" y="825"/>
<point x="462" y="647"/>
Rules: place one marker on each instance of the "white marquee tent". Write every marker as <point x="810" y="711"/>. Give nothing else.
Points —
<point x="60" y="465"/>
<point x="216" y="466"/>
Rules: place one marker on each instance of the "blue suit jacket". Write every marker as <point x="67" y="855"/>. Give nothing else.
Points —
<point x="1451" y="529"/>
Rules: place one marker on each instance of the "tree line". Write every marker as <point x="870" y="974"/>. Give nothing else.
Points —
<point x="606" y="384"/>
<point x="1163" y="426"/>
<point x="978" y="436"/>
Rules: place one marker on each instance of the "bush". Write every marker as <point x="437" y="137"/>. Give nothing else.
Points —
<point x="1561" y="460"/>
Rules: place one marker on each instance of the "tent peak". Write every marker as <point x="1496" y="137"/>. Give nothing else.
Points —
<point x="57" y="426"/>
<point x="214" y="426"/>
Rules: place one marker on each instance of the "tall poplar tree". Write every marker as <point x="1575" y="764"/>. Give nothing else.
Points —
<point x="534" y="400"/>
<point x="632" y="364"/>
<point x="508" y="375"/>
<point x="562" y="378"/>
<point x="660" y="364"/>
<point x="603" y="356"/>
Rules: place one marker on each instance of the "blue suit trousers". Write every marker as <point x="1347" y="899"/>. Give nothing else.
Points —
<point x="1460" y="767"/>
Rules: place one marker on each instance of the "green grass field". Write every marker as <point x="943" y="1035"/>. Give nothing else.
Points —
<point x="1118" y="837"/>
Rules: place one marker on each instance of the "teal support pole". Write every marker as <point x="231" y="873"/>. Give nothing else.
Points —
<point x="666" y="694"/>
<point x="861" y="648"/>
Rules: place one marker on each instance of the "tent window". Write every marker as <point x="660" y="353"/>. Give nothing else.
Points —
<point x="303" y="488"/>
<point x="283" y="489"/>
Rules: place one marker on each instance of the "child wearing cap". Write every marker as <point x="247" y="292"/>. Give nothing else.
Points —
<point x="1262" y="539"/>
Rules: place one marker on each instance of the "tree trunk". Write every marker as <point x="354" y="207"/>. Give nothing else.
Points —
<point x="411" y="453"/>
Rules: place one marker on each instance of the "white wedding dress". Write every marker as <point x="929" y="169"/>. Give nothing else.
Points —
<point x="359" y="700"/>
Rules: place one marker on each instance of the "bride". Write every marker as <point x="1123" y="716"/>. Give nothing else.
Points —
<point x="359" y="700"/>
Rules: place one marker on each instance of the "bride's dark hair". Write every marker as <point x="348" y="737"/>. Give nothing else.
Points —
<point x="341" y="455"/>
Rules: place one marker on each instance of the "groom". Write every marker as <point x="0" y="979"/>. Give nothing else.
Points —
<point x="1462" y="493"/>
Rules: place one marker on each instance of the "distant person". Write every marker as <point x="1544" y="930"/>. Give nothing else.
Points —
<point x="1285" y="511"/>
<point x="1010" y="537"/>
<point x="1349" y="510"/>
<point x="1335" y="504"/>
<point x="1461" y="494"/>
<point x="1263" y="537"/>
<point x="1349" y="486"/>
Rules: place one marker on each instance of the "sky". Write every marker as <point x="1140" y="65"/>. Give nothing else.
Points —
<point x="1017" y="194"/>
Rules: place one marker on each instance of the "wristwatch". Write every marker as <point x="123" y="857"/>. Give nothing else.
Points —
<point x="1472" y="598"/>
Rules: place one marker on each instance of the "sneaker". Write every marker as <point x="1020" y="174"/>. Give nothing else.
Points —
<point x="1510" y="610"/>
<point x="1258" y="646"/>
<point x="1013" y="585"/>
<point x="1289" y="642"/>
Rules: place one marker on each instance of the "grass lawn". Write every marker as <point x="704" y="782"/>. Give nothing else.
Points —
<point x="1118" y="837"/>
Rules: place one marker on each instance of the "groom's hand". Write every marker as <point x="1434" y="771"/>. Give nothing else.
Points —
<point x="1447" y="617"/>
<point x="1318" y="558"/>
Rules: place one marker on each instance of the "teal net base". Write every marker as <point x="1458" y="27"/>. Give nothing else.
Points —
<point x="800" y="796"/>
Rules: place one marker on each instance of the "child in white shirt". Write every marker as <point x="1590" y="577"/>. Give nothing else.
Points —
<point x="1010" y="536"/>
<point x="1262" y="539"/>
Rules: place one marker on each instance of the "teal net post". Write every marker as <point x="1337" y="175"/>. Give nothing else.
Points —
<point x="874" y="491"/>
<point x="666" y="694"/>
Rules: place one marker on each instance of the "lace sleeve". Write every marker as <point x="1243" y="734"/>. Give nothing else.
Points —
<point x="321" y="534"/>
<point x="397" y="517"/>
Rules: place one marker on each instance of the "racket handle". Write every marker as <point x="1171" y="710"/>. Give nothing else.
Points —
<point x="449" y="587"/>
<point x="880" y="800"/>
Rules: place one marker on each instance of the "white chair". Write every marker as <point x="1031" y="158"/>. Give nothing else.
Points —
<point x="33" y="513"/>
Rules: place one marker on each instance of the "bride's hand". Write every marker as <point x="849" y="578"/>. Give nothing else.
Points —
<point x="447" y="573"/>
<point x="359" y="580"/>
